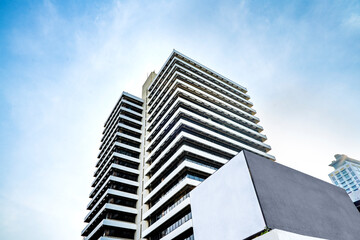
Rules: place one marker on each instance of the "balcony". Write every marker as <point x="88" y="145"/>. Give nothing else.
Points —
<point x="111" y="223"/>
<point x="169" y="195"/>
<point x="183" y="149"/>
<point x="166" y="215"/>
<point x="167" y="181"/>
<point x="94" y="203"/>
<point x="108" y="207"/>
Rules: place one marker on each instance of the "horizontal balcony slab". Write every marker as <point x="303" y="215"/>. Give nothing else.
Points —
<point x="115" y="179"/>
<point x="166" y="218"/>
<point x="120" y="115"/>
<point x="210" y="133"/>
<point x="103" y="154"/>
<point x="181" y="150"/>
<point x="121" y="125"/>
<point x="205" y="97"/>
<point x="123" y="100"/>
<point x="175" y="55"/>
<point x="211" y="125"/>
<point x="117" y="167"/>
<point x="117" y="134"/>
<point x="114" y="238"/>
<point x="173" y="174"/>
<point x="169" y="195"/>
<point x="111" y="223"/>
<point x="196" y="100"/>
<point x="201" y="109"/>
<point x="183" y="122"/>
<point x="110" y="192"/>
<point x="181" y="229"/>
<point x="179" y="138"/>
<point x="113" y="207"/>
<point x="202" y="82"/>
<point x="115" y="154"/>
<point x="130" y="111"/>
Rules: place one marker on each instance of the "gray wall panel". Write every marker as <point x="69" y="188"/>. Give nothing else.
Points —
<point x="296" y="202"/>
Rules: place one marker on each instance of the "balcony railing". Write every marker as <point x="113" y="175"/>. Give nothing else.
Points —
<point x="190" y="238"/>
<point x="187" y="176"/>
<point x="173" y="226"/>
<point x="169" y="208"/>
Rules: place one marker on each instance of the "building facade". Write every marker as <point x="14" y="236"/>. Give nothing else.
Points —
<point x="189" y="122"/>
<point x="114" y="201"/>
<point x="346" y="174"/>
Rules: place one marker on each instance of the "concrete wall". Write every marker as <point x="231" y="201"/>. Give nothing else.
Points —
<point x="277" y="234"/>
<point x="251" y="193"/>
<point x="225" y="205"/>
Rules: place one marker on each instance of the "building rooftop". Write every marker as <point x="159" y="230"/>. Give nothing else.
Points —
<point x="341" y="159"/>
<point x="200" y="66"/>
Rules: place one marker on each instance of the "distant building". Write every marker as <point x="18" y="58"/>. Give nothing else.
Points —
<point x="346" y="174"/>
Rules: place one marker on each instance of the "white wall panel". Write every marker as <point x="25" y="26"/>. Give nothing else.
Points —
<point x="225" y="206"/>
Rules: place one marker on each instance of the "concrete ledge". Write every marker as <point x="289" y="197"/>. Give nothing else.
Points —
<point x="277" y="234"/>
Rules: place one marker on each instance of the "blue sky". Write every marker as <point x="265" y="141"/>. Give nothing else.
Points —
<point x="63" y="65"/>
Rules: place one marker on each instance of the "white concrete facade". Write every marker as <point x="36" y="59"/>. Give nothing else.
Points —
<point x="195" y="121"/>
<point x="189" y="122"/>
<point x="114" y="204"/>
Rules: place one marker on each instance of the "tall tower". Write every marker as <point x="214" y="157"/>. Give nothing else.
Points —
<point x="114" y="198"/>
<point x="194" y="121"/>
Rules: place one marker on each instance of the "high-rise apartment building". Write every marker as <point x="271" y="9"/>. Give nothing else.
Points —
<point x="115" y="196"/>
<point x="155" y="150"/>
<point x="346" y="174"/>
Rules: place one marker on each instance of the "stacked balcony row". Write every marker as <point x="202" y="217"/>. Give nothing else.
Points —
<point x="198" y="68"/>
<point x="112" y="209"/>
<point x="196" y="121"/>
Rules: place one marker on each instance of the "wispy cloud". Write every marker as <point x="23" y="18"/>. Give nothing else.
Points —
<point x="353" y="21"/>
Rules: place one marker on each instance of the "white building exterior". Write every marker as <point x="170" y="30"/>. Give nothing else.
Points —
<point x="114" y="201"/>
<point x="189" y="122"/>
<point x="346" y="174"/>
